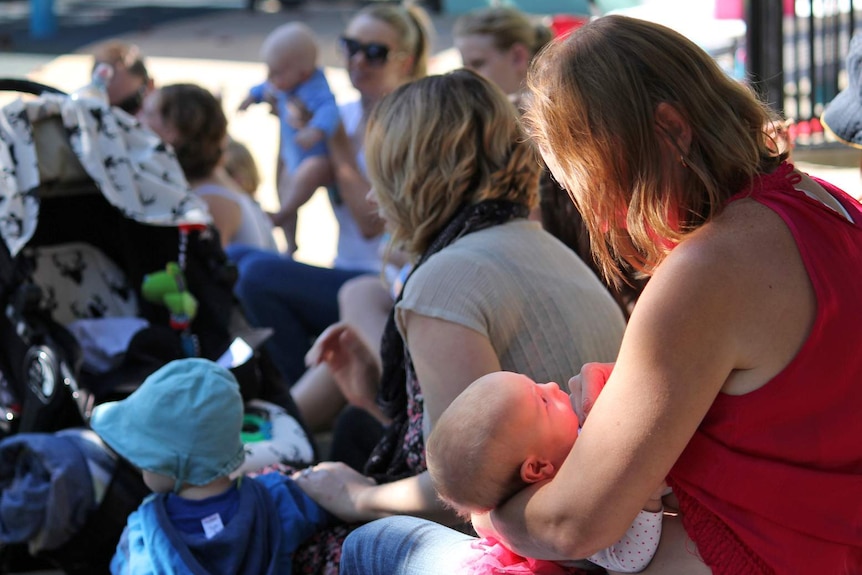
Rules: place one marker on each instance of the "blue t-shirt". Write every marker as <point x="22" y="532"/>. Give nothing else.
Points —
<point x="317" y="98"/>
<point x="187" y="514"/>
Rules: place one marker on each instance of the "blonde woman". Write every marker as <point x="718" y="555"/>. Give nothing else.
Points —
<point x="384" y="46"/>
<point x="500" y="42"/>
<point x="454" y="180"/>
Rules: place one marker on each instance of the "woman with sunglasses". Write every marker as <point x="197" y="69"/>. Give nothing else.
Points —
<point x="384" y="46"/>
<point x="454" y="180"/>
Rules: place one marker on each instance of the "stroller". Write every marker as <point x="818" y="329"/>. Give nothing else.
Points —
<point x="110" y="268"/>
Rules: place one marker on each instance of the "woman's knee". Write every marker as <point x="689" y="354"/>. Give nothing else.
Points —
<point x="259" y="274"/>
<point x="357" y="290"/>
<point x="372" y="548"/>
<point x="404" y="545"/>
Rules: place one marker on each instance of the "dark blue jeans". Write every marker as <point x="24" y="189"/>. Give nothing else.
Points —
<point x="297" y="300"/>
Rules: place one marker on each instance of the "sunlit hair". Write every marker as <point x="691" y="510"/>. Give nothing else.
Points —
<point x="591" y="110"/>
<point x="118" y="53"/>
<point x="470" y="463"/>
<point x="240" y="165"/>
<point x="413" y="27"/>
<point x="437" y="144"/>
<point x="507" y="26"/>
<point x="201" y="127"/>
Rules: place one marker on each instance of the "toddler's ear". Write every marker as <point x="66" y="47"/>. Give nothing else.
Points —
<point x="535" y="469"/>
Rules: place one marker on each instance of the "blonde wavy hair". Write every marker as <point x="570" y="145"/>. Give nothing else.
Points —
<point x="592" y="111"/>
<point x="440" y="143"/>
<point x="506" y="25"/>
<point x="413" y="27"/>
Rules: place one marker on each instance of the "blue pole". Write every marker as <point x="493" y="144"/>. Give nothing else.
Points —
<point x="43" y="21"/>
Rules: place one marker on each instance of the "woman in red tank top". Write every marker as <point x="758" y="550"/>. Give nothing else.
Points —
<point x="739" y="377"/>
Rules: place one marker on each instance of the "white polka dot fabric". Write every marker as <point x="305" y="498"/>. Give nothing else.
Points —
<point x="634" y="551"/>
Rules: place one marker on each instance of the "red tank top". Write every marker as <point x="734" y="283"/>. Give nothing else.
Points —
<point x="771" y="482"/>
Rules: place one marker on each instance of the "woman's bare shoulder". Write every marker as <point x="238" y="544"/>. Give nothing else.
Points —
<point x="746" y="267"/>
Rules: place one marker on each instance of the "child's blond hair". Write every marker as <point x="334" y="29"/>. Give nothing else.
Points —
<point x="240" y="165"/>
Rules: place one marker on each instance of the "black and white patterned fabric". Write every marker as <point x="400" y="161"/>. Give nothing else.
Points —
<point x="136" y="172"/>
<point x="79" y="281"/>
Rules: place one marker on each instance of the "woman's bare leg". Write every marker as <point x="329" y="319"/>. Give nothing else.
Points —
<point x="364" y="302"/>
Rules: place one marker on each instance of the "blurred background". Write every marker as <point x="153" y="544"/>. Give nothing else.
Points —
<point x="791" y="51"/>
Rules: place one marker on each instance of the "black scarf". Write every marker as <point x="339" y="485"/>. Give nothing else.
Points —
<point x="388" y="460"/>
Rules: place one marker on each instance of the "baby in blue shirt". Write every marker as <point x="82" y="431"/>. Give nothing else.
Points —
<point x="297" y="89"/>
<point x="182" y="428"/>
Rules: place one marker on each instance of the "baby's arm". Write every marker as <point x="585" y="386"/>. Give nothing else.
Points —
<point x="256" y="95"/>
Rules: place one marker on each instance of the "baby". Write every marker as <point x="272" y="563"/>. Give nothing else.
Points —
<point x="308" y="114"/>
<point x="182" y="428"/>
<point x="503" y="433"/>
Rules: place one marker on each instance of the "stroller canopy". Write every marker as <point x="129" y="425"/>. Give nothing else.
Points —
<point x="58" y="140"/>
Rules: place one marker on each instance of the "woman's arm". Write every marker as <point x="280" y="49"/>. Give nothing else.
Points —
<point x="352" y="185"/>
<point x="447" y="357"/>
<point x="710" y="320"/>
<point x="226" y="214"/>
<point x="353" y="498"/>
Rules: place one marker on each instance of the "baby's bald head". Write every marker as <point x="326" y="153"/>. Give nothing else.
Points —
<point x="293" y="42"/>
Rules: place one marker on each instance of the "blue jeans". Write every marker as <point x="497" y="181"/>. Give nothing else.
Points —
<point x="297" y="300"/>
<point x="406" y="546"/>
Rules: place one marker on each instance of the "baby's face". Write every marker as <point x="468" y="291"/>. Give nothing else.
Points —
<point x="283" y="74"/>
<point x="543" y="417"/>
<point x="157" y="482"/>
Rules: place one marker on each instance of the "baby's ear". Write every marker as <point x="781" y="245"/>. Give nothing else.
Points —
<point x="535" y="469"/>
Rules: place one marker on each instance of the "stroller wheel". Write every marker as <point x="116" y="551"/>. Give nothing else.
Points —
<point x="53" y="400"/>
<point x="43" y="370"/>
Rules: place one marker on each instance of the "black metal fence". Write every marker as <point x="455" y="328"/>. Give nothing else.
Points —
<point x="796" y="57"/>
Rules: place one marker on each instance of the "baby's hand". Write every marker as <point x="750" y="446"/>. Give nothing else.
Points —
<point x="585" y="387"/>
<point x="307" y="137"/>
<point x="246" y="103"/>
<point x="654" y="503"/>
<point x="298" y="115"/>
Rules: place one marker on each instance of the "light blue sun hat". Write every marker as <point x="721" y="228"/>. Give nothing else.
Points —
<point x="184" y="421"/>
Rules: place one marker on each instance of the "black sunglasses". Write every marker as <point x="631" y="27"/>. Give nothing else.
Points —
<point x="374" y="53"/>
<point x="132" y="103"/>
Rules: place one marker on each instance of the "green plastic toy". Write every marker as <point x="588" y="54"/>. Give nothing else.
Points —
<point x="168" y="288"/>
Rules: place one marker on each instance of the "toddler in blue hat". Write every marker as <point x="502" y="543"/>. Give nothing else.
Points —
<point x="181" y="428"/>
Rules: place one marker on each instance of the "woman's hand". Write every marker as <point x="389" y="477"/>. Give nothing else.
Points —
<point x="337" y="488"/>
<point x="353" y="364"/>
<point x="586" y="386"/>
<point x="483" y="526"/>
<point x="308" y="137"/>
